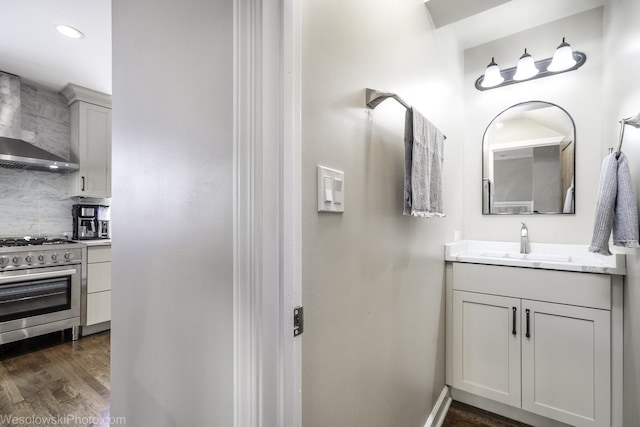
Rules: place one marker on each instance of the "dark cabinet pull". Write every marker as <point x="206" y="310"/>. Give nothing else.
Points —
<point x="528" y="335"/>
<point x="513" y="331"/>
<point x="83" y="183"/>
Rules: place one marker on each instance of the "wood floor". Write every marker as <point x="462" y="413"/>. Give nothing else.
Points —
<point x="51" y="378"/>
<point x="461" y="415"/>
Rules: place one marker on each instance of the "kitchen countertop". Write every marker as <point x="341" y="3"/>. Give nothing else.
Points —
<point x="96" y="242"/>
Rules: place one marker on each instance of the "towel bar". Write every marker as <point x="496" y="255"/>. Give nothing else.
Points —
<point x="375" y="97"/>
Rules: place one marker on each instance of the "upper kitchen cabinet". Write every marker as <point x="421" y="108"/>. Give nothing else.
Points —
<point x="90" y="141"/>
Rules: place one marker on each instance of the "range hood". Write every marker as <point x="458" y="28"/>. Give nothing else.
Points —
<point x="19" y="154"/>
<point x="16" y="153"/>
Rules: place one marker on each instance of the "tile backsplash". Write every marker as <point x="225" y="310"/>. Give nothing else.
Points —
<point x="34" y="203"/>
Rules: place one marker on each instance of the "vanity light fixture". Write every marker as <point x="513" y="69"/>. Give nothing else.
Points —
<point x="492" y="76"/>
<point x="69" y="31"/>
<point x="526" y="67"/>
<point x="564" y="59"/>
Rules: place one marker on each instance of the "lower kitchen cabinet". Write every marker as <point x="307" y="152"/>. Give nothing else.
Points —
<point x="537" y="352"/>
<point x="98" y="295"/>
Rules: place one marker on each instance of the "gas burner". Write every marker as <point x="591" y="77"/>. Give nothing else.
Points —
<point x="11" y="242"/>
<point x="59" y="241"/>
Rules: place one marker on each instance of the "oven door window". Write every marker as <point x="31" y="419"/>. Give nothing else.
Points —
<point x="31" y="298"/>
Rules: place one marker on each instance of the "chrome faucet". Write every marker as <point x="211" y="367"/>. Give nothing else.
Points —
<point x="524" y="239"/>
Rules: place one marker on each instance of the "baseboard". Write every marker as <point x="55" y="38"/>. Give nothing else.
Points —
<point x="439" y="412"/>
<point x="94" y="329"/>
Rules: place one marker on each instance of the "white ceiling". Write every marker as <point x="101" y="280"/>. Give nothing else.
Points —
<point x="444" y="12"/>
<point x="512" y="17"/>
<point x="31" y="48"/>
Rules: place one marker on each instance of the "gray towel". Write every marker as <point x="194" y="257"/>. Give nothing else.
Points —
<point x="408" y="154"/>
<point x="423" y="166"/>
<point x="616" y="207"/>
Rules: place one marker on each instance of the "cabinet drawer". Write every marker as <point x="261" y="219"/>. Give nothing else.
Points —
<point x="99" y="254"/>
<point x="564" y="287"/>
<point x="98" y="277"/>
<point x="98" y="307"/>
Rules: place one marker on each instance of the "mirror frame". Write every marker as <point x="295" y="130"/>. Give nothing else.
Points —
<point x="484" y="136"/>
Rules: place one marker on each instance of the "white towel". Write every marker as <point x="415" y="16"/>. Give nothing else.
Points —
<point x="616" y="207"/>
<point x="423" y="167"/>
<point x="569" y="202"/>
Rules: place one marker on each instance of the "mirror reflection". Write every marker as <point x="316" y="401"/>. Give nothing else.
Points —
<point x="528" y="161"/>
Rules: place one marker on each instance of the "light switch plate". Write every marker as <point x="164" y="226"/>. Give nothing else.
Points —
<point x="330" y="190"/>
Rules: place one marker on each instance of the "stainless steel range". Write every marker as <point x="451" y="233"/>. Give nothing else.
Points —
<point x="40" y="285"/>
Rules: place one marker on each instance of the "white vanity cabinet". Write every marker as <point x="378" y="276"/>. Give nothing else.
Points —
<point x="90" y="142"/>
<point x="98" y="295"/>
<point x="533" y="339"/>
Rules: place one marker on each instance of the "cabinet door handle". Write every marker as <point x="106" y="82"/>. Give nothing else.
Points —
<point x="528" y="335"/>
<point x="514" y="311"/>
<point x="82" y="183"/>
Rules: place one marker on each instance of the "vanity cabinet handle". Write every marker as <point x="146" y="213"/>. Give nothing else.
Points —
<point x="528" y="335"/>
<point x="82" y="183"/>
<point x="515" y="311"/>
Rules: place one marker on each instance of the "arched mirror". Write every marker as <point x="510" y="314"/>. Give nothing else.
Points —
<point x="528" y="161"/>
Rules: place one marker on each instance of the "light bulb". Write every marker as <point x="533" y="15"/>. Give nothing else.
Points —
<point x="562" y="58"/>
<point x="526" y="67"/>
<point x="492" y="76"/>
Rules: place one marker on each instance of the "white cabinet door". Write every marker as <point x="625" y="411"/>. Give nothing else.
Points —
<point x="566" y="371"/>
<point x="486" y="346"/>
<point x="98" y="277"/>
<point x="98" y="307"/>
<point x="91" y="147"/>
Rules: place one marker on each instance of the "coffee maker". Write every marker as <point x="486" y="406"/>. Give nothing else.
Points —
<point x="90" y="222"/>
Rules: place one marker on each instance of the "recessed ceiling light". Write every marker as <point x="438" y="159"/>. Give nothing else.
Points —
<point x="69" y="31"/>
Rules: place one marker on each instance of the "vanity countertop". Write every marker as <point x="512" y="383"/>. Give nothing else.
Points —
<point x="547" y="256"/>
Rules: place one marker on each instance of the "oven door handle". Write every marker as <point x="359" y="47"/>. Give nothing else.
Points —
<point x="40" y="276"/>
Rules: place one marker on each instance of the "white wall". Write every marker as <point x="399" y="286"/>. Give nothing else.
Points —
<point x="373" y="280"/>
<point x="621" y="89"/>
<point x="579" y="92"/>
<point x="172" y="298"/>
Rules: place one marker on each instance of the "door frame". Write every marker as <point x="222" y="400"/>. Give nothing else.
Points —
<point x="267" y="213"/>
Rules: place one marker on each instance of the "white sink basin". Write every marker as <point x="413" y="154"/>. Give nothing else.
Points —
<point x="543" y="255"/>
